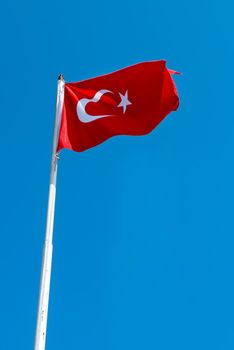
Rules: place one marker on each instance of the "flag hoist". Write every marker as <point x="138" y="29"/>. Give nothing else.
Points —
<point x="40" y="337"/>
<point x="131" y="101"/>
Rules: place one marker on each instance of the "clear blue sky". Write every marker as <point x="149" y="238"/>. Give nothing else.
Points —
<point x="143" y="241"/>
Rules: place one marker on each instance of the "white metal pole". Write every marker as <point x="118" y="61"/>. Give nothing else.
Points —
<point x="48" y="246"/>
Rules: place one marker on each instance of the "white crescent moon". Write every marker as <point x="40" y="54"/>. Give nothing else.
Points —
<point x="81" y="112"/>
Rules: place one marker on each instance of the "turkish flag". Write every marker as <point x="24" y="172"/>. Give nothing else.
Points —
<point x="131" y="101"/>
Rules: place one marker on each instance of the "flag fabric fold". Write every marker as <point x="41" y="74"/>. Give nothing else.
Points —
<point x="131" y="101"/>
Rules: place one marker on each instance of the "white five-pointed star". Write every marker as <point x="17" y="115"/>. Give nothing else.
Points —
<point x="124" y="101"/>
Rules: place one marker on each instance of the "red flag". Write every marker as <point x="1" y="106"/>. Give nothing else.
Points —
<point x="131" y="101"/>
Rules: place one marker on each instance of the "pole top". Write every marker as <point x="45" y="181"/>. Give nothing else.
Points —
<point x="61" y="77"/>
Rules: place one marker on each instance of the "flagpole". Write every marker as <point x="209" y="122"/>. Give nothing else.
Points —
<point x="42" y="315"/>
